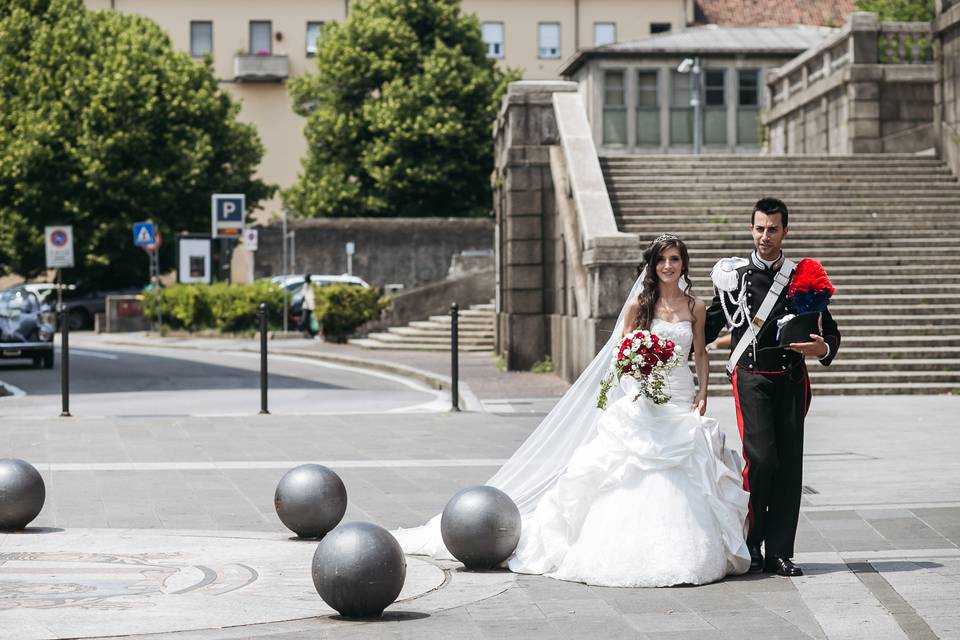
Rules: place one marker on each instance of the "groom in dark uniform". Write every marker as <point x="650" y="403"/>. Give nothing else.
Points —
<point x="771" y="387"/>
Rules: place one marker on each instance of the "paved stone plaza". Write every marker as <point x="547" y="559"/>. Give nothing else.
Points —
<point x="166" y="525"/>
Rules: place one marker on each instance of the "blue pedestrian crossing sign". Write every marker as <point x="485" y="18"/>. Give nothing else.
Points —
<point x="227" y="214"/>
<point x="144" y="234"/>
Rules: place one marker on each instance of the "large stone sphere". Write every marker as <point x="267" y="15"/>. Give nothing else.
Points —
<point x="359" y="569"/>
<point x="480" y="527"/>
<point x="310" y="500"/>
<point x="22" y="493"/>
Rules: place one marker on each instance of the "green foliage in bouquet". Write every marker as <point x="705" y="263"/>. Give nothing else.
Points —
<point x="343" y="308"/>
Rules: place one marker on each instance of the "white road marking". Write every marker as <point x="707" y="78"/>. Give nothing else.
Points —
<point x="15" y="392"/>
<point x="214" y="465"/>
<point x="93" y="354"/>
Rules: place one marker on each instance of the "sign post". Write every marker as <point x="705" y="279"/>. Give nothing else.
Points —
<point x="351" y="249"/>
<point x="147" y="237"/>
<point x="59" y="249"/>
<point x="227" y="217"/>
<point x="251" y="238"/>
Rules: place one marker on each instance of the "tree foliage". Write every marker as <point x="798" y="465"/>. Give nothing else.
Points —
<point x="899" y="10"/>
<point x="103" y="124"/>
<point x="399" y="114"/>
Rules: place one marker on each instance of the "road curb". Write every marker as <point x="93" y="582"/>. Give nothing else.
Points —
<point x="468" y="400"/>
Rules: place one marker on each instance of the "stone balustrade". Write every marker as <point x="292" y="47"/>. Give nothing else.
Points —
<point x="869" y="88"/>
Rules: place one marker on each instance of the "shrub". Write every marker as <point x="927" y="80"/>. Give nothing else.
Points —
<point x="343" y="308"/>
<point x="221" y="306"/>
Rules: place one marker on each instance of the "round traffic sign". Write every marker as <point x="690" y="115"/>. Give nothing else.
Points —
<point x="58" y="238"/>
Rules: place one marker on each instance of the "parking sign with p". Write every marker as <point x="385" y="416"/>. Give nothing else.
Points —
<point x="227" y="214"/>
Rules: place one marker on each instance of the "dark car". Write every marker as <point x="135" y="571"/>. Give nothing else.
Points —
<point x="82" y="304"/>
<point x="23" y="332"/>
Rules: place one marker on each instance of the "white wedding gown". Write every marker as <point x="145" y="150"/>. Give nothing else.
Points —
<point x="653" y="499"/>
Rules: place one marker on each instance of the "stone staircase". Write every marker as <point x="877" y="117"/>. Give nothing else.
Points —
<point x="475" y="333"/>
<point x="886" y="227"/>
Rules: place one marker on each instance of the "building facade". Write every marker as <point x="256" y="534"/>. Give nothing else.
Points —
<point x="256" y="47"/>
<point x="638" y="94"/>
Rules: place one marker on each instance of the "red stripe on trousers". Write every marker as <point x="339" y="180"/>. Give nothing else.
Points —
<point x="743" y="448"/>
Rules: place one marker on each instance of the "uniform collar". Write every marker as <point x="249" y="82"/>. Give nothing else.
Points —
<point x="760" y="263"/>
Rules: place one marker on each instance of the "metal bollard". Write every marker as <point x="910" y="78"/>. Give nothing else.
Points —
<point x="64" y="362"/>
<point x="262" y="312"/>
<point x="454" y="358"/>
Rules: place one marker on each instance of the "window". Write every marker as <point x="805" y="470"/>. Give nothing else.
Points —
<point x="648" y="109"/>
<point x="313" y="33"/>
<point x="201" y="39"/>
<point x="604" y="33"/>
<point x="261" y="37"/>
<point x="715" y="107"/>
<point x="748" y="106"/>
<point x="660" y="27"/>
<point x="614" y="108"/>
<point x="681" y="113"/>
<point x="548" y="40"/>
<point x="492" y="34"/>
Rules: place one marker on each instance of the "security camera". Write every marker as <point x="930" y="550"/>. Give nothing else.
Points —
<point x="685" y="66"/>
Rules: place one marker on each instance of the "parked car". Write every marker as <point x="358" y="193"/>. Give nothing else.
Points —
<point x="23" y="333"/>
<point x="82" y="305"/>
<point x="294" y="285"/>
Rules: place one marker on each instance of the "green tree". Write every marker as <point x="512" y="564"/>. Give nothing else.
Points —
<point x="899" y="10"/>
<point x="399" y="114"/>
<point x="103" y="124"/>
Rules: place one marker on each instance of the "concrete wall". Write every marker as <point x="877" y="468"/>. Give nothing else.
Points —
<point x="408" y="251"/>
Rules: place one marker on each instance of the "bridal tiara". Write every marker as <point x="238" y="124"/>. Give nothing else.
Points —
<point x="663" y="237"/>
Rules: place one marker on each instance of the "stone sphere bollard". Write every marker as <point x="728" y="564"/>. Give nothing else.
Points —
<point x="359" y="569"/>
<point x="22" y="493"/>
<point x="480" y="527"/>
<point x="310" y="500"/>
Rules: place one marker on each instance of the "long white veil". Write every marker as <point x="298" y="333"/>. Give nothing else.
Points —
<point x="535" y="466"/>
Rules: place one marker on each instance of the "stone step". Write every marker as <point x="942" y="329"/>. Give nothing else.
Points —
<point x="702" y="202"/>
<point x="443" y="332"/>
<point x="765" y="180"/>
<point x="950" y="365"/>
<point x="825" y="374"/>
<point x="796" y="213"/>
<point x="830" y="254"/>
<point x="865" y="388"/>
<point x="426" y="342"/>
<point x="857" y="352"/>
<point x="369" y="343"/>
<point x="486" y="325"/>
<point x="723" y="161"/>
<point x="800" y="235"/>
<point x="844" y="319"/>
<point x="946" y="289"/>
<point x="653" y="228"/>
<point x="703" y="262"/>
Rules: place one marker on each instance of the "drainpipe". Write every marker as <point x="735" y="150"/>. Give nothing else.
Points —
<point x="576" y="25"/>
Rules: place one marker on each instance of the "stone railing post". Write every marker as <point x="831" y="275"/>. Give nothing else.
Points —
<point x="863" y="90"/>
<point x="525" y="129"/>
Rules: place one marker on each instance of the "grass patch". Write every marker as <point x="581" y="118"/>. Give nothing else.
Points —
<point x="543" y="366"/>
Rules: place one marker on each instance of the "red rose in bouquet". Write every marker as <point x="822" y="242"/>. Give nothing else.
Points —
<point x="647" y="358"/>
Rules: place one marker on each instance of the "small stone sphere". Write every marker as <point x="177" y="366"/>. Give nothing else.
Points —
<point x="310" y="500"/>
<point x="481" y="527"/>
<point x="22" y="493"/>
<point x="359" y="569"/>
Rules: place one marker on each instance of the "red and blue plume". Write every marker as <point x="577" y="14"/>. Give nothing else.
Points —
<point x="810" y="289"/>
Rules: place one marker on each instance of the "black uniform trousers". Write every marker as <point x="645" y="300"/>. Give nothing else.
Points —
<point x="771" y="407"/>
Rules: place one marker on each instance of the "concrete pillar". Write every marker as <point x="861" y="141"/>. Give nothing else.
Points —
<point x="525" y="129"/>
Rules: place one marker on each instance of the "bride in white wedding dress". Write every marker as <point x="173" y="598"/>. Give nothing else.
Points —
<point x="637" y="495"/>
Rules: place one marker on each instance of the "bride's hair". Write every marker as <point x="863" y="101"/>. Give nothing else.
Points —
<point x="650" y="293"/>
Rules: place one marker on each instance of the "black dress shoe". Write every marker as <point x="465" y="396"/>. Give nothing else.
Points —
<point x="756" y="559"/>
<point x="782" y="567"/>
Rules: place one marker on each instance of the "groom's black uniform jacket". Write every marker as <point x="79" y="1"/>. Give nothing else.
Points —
<point x="772" y="394"/>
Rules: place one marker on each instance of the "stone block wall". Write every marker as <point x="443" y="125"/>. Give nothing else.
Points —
<point x="408" y="251"/>
<point x="946" y="96"/>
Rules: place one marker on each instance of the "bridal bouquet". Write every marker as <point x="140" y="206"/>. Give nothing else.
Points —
<point x="646" y="357"/>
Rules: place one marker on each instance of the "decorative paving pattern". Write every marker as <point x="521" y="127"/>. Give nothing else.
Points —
<point x="95" y="582"/>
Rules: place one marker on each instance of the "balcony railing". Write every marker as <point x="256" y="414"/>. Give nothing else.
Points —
<point x="260" y="68"/>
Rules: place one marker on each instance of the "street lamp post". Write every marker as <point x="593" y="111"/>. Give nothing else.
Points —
<point x="692" y="66"/>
